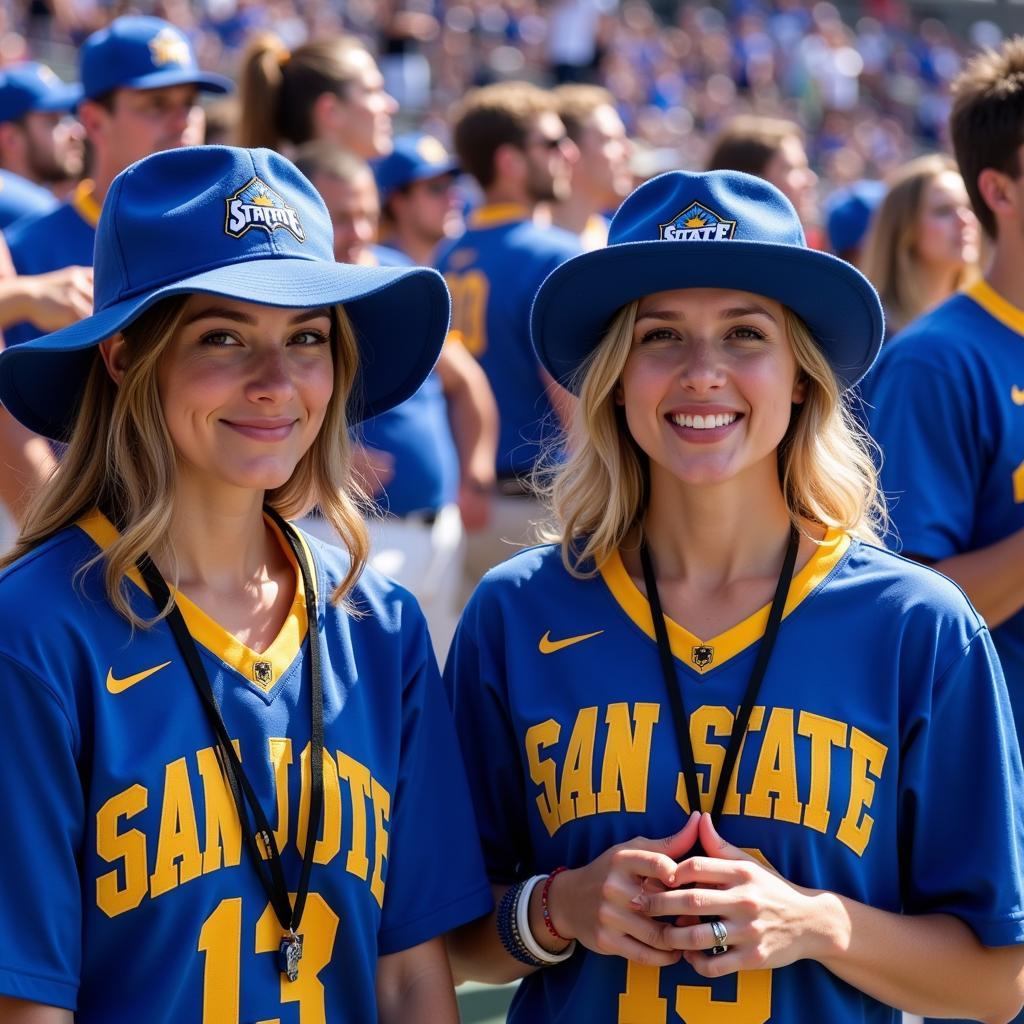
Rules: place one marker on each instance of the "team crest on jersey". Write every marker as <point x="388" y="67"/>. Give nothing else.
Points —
<point x="169" y="47"/>
<point x="702" y="655"/>
<point x="263" y="673"/>
<point x="697" y="224"/>
<point x="257" y="205"/>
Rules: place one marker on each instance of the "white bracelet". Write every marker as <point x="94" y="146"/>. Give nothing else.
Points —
<point x="535" y="949"/>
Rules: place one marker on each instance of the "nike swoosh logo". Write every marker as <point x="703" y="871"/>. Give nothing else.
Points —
<point x="115" y="685"/>
<point x="1017" y="394"/>
<point x="549" y="646"/>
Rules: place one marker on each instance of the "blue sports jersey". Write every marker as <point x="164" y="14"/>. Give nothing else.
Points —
<point x="882" y="712"/>
<point x="945" y="405"/>
<point x="417" y="435"/>
<point x="64" y="237"/>
<point x="125" y="891"/>
<point x="20" y="197"/>
<point x="493" y="271"/>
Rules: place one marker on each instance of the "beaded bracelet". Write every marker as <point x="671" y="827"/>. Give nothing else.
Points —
<point x="508" y="929"/>
<point x="534" y="948"/>
<point x="545" y="909"/>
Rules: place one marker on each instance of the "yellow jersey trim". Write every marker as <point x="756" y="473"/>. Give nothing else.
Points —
<point x="996" y="306"/>
<point x="493" y="215"/>
<point x="738" y="638"/>
<point x="262" y="668"/>
<point x="83" y="199"/>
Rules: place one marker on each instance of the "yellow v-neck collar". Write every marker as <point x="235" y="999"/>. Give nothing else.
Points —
<point x="83" y="199"/>
<point x="495" y="214"/>
<point x="692" y="649"/>
<point x="261" y="668"/>
<point x="996" y="306"/>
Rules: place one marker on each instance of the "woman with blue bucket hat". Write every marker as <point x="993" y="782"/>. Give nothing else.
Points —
<point x="232" y="784"/>
<point x="731" y="760"/>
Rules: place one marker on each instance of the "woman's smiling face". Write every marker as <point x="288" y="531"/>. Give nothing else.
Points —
<point x="709" y="383"/>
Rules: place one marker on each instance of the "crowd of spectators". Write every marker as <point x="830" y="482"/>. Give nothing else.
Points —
<point x="871" y="90"/>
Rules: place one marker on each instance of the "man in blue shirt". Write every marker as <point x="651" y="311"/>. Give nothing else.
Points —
<point x="40" y="147"/>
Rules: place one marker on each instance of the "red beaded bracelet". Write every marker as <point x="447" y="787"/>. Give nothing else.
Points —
<point x="545" y="891"/>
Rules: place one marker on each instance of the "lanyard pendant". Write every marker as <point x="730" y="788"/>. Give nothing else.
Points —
<point x="289" y="954"/>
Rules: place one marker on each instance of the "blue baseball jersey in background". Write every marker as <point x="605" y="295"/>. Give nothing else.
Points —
<point x="125" y="891"/>
<point x="493" y="271"/>
<point x="64" y="237"/>
<point x="20" y="198"/>
<point x="882" y="719"/>
<point x="946" y="405"/>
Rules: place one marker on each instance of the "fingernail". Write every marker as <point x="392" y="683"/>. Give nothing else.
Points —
<point x="638" y="900"/>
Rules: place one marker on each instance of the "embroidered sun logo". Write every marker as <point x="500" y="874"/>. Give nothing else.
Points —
<point x="695" y="222"/>
<point x="257" y="205"/>
<point x="168" y="47"/>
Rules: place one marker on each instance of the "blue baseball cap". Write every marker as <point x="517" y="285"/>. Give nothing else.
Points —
<point x="136" y="52"/>
<point x="848" y="213"/>
<point x="719" y="229"/>
<point x="32" y="86"/>
<point x="415" y="157"/>
<point x="247" y="225"/>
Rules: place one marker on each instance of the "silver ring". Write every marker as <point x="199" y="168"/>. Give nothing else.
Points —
<point x="720" y="933"/>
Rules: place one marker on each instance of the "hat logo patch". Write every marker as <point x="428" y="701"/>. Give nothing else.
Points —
<point x="697" y="224"/>
<point x="169" y="47"/>
<point x="257" y="205"/>
<point x="431" y="151"/>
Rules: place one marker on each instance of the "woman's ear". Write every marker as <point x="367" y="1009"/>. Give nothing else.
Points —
<point x="800" y="389"/>
<point x="114" y="352"/>
<point x="618" y="394"/>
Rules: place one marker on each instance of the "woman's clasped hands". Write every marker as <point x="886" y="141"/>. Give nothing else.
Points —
<point x="643" y="901"/>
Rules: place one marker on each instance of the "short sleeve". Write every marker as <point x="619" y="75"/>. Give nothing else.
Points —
<point x="435" y="879"/>
<point x="474" y="676"/>
<point x="962" y="801"/>
<point x="930" y="484"/>
<point x="42" y="804"/>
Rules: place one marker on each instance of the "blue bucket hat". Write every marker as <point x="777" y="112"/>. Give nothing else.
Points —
<point x="135" y="52"/>
<point x="415" y="157"/>
<point x="247" y="225"/>
<point x="28" y="87"/>
<point x="721" y="229"/>
<point x="848" y="213"/>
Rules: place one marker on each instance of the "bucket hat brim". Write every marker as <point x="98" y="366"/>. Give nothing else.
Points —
<point x="577" y="300"/>
<point x="399" y="316"/>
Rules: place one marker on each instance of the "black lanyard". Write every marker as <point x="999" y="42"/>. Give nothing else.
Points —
<point x="668" y="670"/>
<point x="268" y="864"/>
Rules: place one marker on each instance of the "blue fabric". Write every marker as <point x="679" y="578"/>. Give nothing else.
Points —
<point x="848" y="213"/>
<point x="719" y="229"/>
<point x="124" y="889"/>
<point x="30" y="86"/>
<point x="415" y="157"/>
<point x="493" y="272"/>
<point x="941" y="406"/>
<point x="21" y="198"/>
<point x="139" y="52"/>
<point x="846" y="780"/>
<point x="240" y="223"/>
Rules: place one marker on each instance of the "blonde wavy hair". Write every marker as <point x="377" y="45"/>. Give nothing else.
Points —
<point x="120" y="459"/>
<point x="599" y="493"/>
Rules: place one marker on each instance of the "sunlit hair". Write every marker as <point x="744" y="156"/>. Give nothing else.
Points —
<point x="120" y="459"/>
<point x="278" y="89"/>
<point x="888" y="257"/>
<point x="599" y="493"/>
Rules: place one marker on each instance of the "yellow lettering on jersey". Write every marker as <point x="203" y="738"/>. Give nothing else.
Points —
<point x="543" y="771"/>
<point x="329" y="843"/>
<point x="281" y="758"/>
<point x="627" y="756"/>
<point x="179" y="833"/>
<point x="868" y="756"/>
<point x="824" y="734"/>
<point x="576" y="794"/>
<point x="753" y="1003"/>
<point x="129" y="847"/>
<point x="706" y="720"/>
<point x="773" y="793"/>
<point x="1018" y="485"/>
<point x="381" y="814"/>
<point x="358" y="778"/>
<point x="223" y="832"/>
